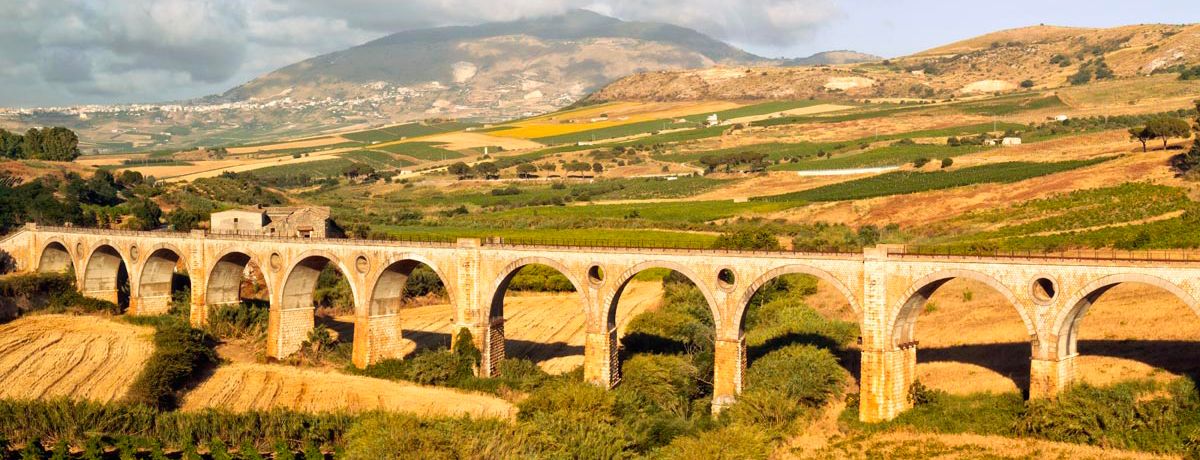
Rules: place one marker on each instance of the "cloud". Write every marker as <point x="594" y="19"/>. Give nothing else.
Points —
<point x="82" y="51"/>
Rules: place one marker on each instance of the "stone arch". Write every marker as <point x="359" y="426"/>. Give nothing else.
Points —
<point x="610" y="316"/>
<point x="55" y="257"/>
<point x="393" y="277"/>
<point x="301" y="279"/>
<point x="154" y="283"/>
<point x="914" y="299"/>
<point x="224" y="279"/>
<point x="496" y="308"/>
<point x="1066" y="323"/>
<point x="820" y="274"/>
<point x="102" y="269"/>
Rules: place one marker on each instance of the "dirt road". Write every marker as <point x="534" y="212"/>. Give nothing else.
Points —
<point x="48" y="356"/>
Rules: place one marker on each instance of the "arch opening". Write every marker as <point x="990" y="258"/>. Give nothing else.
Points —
<point x="416" y="293"/>
<point x="317" y="311"/>
<point x="55" y="259"/>
<point x="237" y="279"/>
<point x="165" y="284"/>
<point x="970" y="339"/>
<point x="662" y="318"/>
<point x="1126" y="328"/>
<point x="538" y="314"/>
<point x="106" y="276"/>
<point x="796" y="308"/>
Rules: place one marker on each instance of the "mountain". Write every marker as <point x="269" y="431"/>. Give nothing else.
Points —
<point x="1041" y="56"/>
<point x="493" y="70"/>
<point x="836" y="57"/>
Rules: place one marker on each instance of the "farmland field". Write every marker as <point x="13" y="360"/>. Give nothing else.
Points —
<point x="905" y="182"/>
<point x="377" y="159"/>
<point x="408" y="130"/>
<point x="422" y="151"/>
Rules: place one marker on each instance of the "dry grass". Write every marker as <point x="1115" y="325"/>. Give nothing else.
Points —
<point x="92" y="358"/>
<point x="250" y="386"/>
<point x="619" y="114"/>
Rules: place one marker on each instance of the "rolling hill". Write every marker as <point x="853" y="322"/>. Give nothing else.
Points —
<point x="1041" y="56"/>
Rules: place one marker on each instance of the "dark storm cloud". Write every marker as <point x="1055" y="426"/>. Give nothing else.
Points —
<point x="80" y="51"/>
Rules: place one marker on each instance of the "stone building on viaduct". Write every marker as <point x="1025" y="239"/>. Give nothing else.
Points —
<point x="886" y="285"/>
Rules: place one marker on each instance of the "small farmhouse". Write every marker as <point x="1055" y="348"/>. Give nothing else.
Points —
<point x="301" y="221"/>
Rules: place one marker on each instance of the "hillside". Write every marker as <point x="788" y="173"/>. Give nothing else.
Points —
<point x="833" y="58"/>
<point x="1046" y="56"/>
<point x="495" y="69"/>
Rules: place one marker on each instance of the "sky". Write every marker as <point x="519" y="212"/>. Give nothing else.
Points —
<point x="67" y="52"/>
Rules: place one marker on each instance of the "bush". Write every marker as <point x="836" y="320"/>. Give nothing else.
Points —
<point x="380" y="436"/>
<point x="659" y="383"/>
<point x="244" y="320"/>
<point x="734" y="441"/>
<point x="947" y="162"/>
<point x="804" y="373"/>
<point x="180" y="353"/>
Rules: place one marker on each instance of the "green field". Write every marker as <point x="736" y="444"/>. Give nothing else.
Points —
<point x="892" y="155"/>
<point x="681" y="212"/>
<point x="393" y="133"/>
<point x="904" y="182"/>
<point x="427" y="151"/>
<point x="313" y="169"/>
<point x="757" y="109"/>
<point x="377" y="159"/>
<point x="625" y="130"/>
<point x="1010" y="104"/>
<point x="582" y="236"/>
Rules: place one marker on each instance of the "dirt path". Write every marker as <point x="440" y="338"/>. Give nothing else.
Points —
<point x="251" y="386"/>
<point x="48" y="356"/>
<point x="545" y="328"/>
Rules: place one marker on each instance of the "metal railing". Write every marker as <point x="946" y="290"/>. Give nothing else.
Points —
<point x="691" y="246"/>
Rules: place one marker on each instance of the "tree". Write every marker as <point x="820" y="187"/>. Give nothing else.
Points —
<point x="1027" y="84"/>
<point x="526" y="170"/>
<point x="460" y="169"/>
<point x="751" y="239"/>
<point x="597" y="168"/>
<point x="489" y="170"/>
<point x="1141" y="135"/>
<point x="1166" y="128"/>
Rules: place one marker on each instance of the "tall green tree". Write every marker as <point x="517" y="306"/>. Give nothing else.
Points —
<point x="1166" y="128"/>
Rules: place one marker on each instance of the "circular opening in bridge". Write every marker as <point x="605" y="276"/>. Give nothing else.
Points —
<point x="596" y="274"/>
<point x="726" y="278"/>
<point x="1044" y="289"/>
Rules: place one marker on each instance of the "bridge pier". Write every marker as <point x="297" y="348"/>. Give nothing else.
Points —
<point x="601" y="366"/>
<point x="885" y="377"/>
<point x="287" y="329"/>
<point x="376" y="338"/>
<point x="491" y="346"/>
<point x="102" y="294"/>
<point x="729" y="363"/>
<point x="1049" y="377"/>
<point x="149" y="305"/>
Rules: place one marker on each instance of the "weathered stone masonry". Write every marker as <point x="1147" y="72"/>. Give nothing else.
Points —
<point x="887" y="286"/>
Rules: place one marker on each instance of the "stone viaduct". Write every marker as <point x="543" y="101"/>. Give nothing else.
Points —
<point x="886" y="285"/>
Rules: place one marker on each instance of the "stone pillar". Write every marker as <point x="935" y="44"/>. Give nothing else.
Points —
<point x="149" y="305"/>
<point x="287" y="330"/>
<point x="198" y="314"/>
<point x="1049" y="377"/>
<point x="729" y="362"/>
<point x="601" y="366"/>
<point x="376" y="338"/>
<point x="102" y="294"/>
<point x="492" y="347"/>
<point x="886" y="376"/>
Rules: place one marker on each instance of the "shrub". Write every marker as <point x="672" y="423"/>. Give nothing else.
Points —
<point x="659" y="382"/>
<point x="920" y="162"/>
<point x="244" y="320"/>
<point x="803" y="373"/>
<point x="734" y="441"/>
<point x="947" y="162"/>
<point x="379" y="436"/>
<point x="180" y="352"/>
